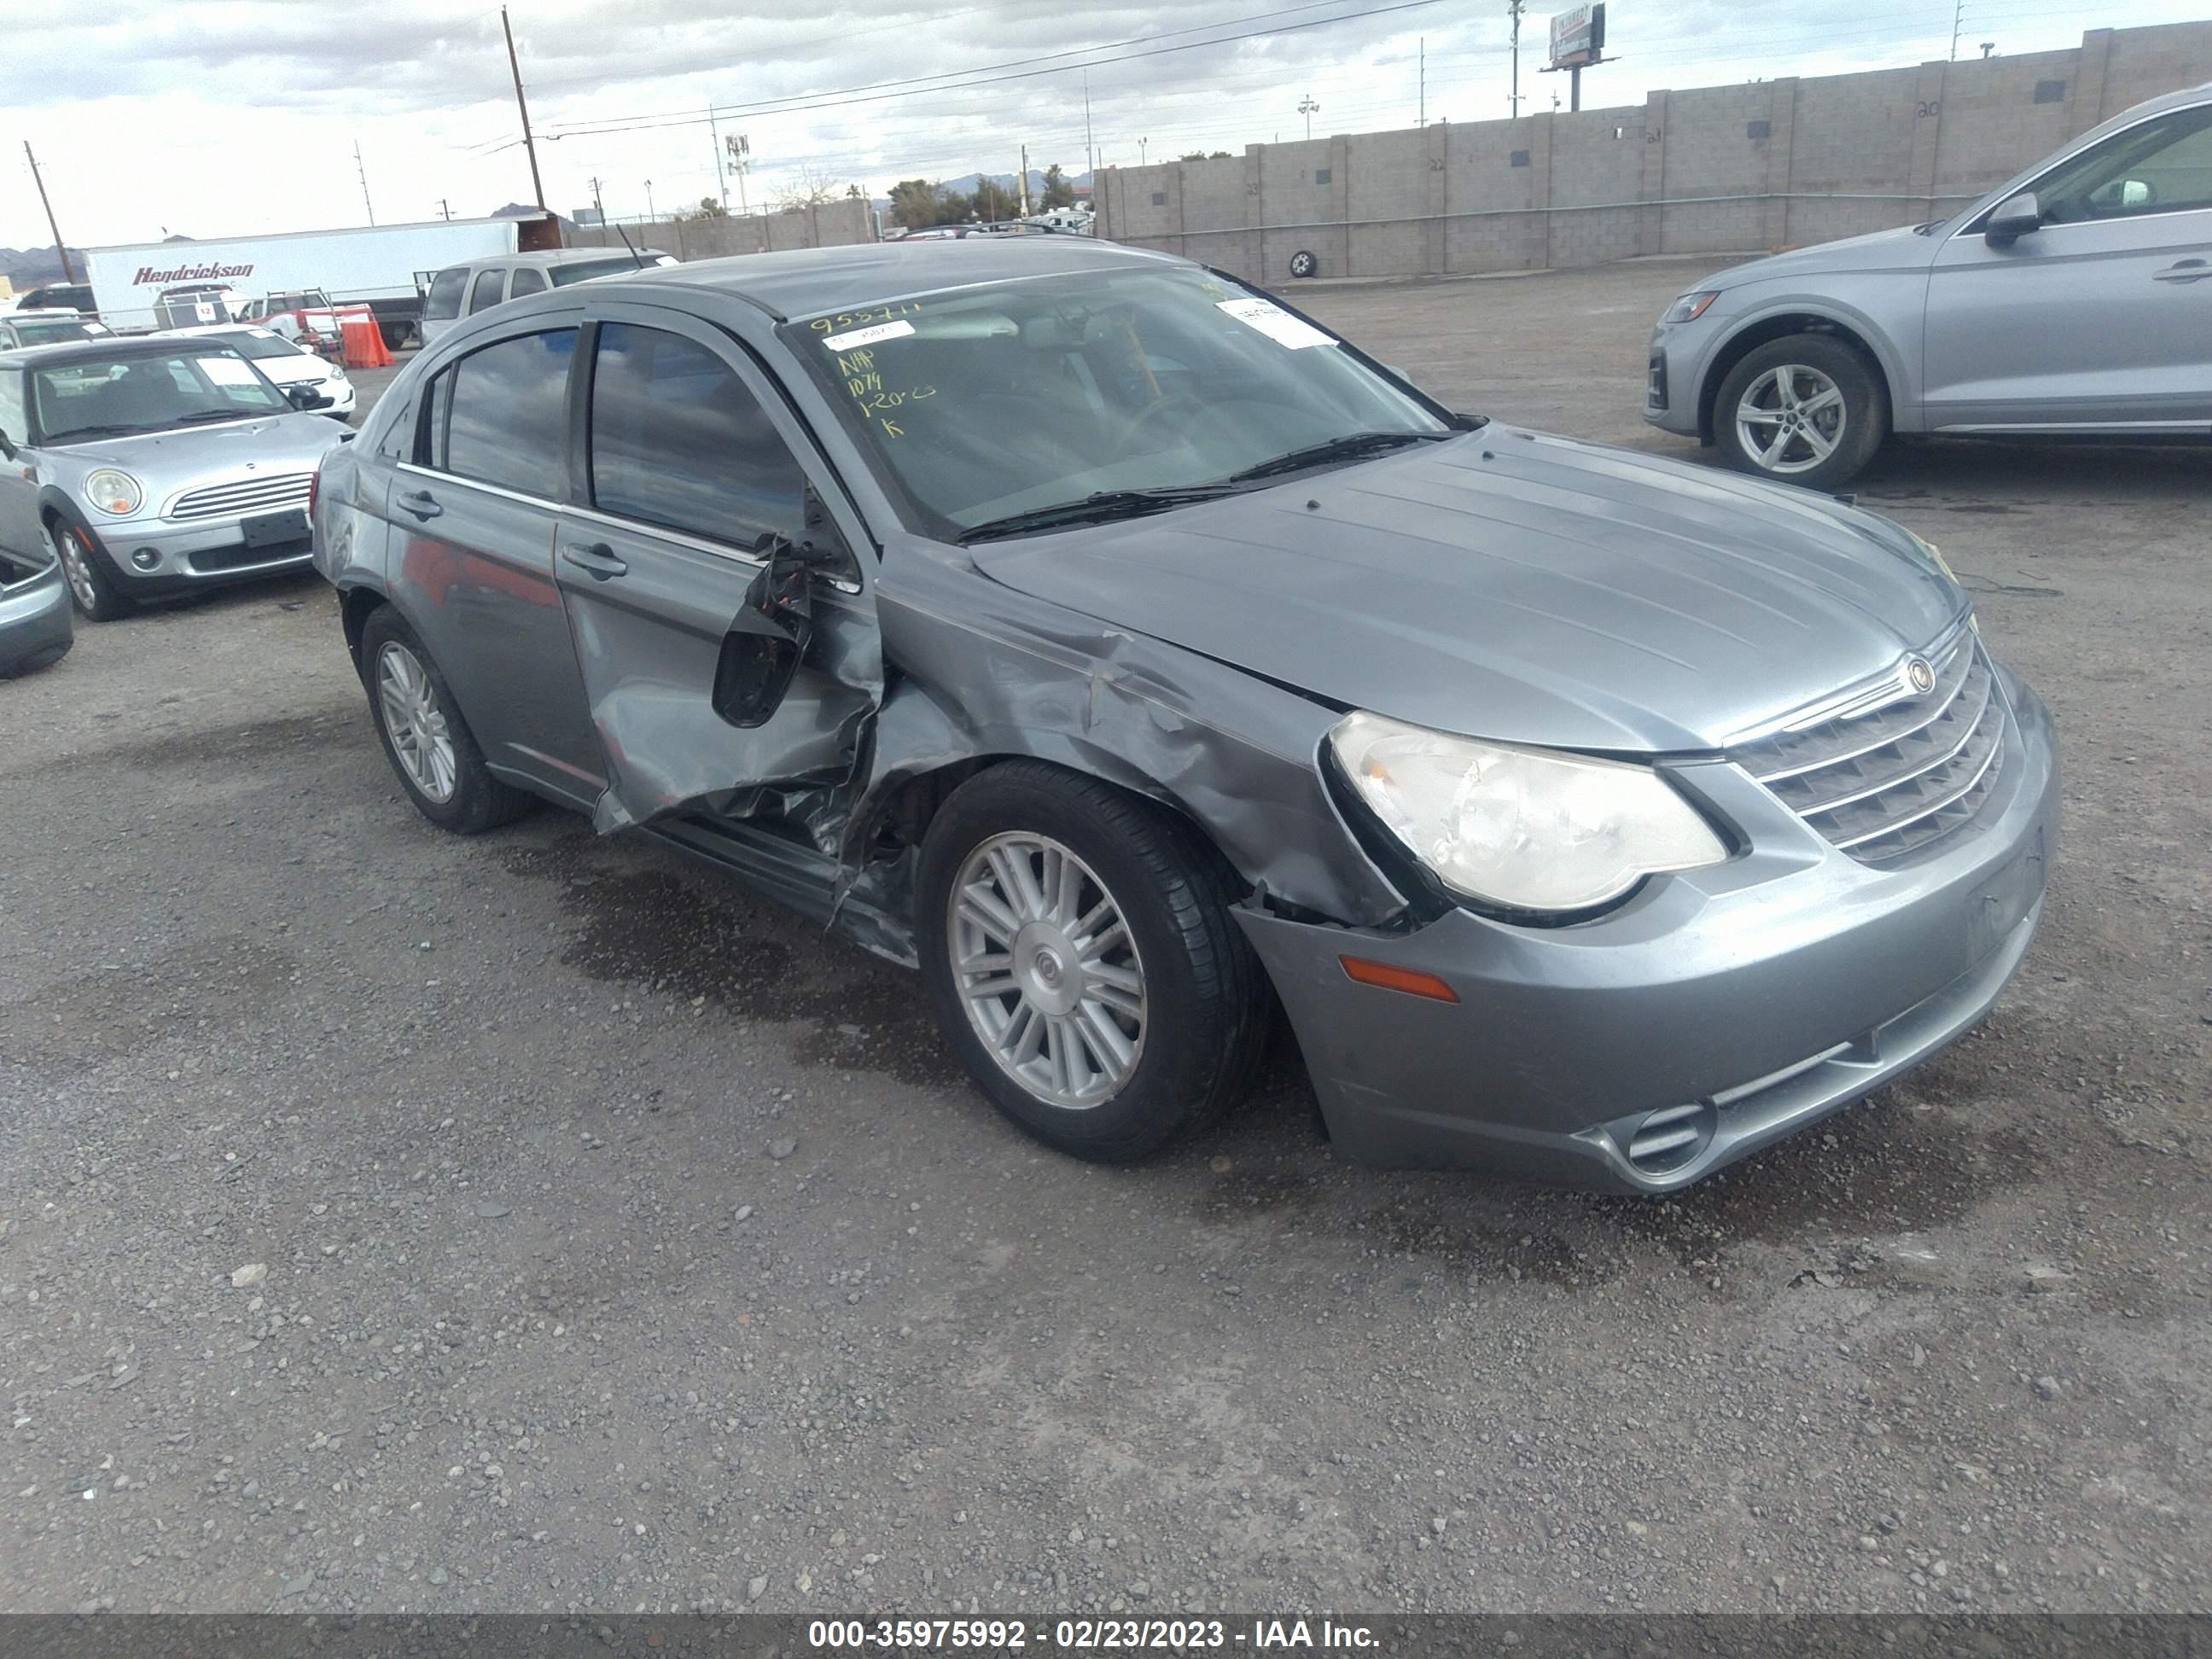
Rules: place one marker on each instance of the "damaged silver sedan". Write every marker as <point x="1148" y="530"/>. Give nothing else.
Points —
<point x="1136" y="659"/>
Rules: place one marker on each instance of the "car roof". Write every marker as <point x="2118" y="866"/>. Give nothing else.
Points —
<point x="108" y="349"/>
<point x="803" y="282"/>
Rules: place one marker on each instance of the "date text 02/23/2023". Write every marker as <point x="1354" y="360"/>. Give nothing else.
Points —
<point x="1085" y="1635"/>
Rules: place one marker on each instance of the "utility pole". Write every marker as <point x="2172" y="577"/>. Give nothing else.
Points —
<point x="1307" y="107"/>
<point x="741" y="151"/>
<point x="361" y="167"/>
<point x="1957" y="21"/>
<point x="1513" y="10"/>
<point x="652" y="214"/>
<point x="521" y="104"/>
<point x="1423" y="49"/>
<point x="69" y="271"/>
<point x="599" y="203"/>
<point x="721" y="179"/>
<point x="1141" y="142"/>
<point x="1090" y="152"/>
<point x="446" y="208"/>
<point x="1026" y="181"/>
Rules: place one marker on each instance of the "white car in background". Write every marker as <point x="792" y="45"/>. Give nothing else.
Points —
<point x="285" y="363"/>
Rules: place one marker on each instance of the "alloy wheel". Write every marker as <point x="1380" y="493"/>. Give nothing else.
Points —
<point x="1791" y="419"/>
<point x="420" y="735"/>
<point x="71" y="553"/>
<point x="1047" y="970"/>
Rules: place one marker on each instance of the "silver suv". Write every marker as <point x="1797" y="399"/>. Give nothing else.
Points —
<point x="2073" y="300"/>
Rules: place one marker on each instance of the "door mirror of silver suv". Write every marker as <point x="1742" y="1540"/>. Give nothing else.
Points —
<point x="2020" y="216"/>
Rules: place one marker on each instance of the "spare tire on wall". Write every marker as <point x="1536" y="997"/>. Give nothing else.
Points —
<point x="1304" y="263"/>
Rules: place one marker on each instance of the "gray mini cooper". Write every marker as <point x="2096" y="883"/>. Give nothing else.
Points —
<point x="150" y="468"/>
<point x="1138" y="659"/>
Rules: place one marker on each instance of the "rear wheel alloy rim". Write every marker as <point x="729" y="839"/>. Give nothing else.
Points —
<point x="1791" y="419"/>
<point x="1047" y="970"/>
<point x="70" y="552"/>
<point x="416" y="726"/>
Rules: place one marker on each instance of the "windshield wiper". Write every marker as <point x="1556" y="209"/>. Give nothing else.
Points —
<point x="199" y="415"/>
<point x="76" y="432"/>
<point x="1349" y="447"/>
<point x="1101" y="508"/>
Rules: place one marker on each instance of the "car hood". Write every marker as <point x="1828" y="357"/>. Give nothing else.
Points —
<point x="1903" y="248"/>
<point x="289" y="442"/>
<point x="1516" y="587"/>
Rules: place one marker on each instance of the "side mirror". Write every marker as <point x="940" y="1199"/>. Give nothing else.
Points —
<point x="305" y="397"/>
<point x="2020" y="217"/>
<point x="7" y="446"/>
<point x="761" y="651"/>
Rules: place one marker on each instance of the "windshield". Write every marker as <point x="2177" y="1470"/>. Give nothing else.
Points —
<point x="584" y="270"/>
<point x="979" y="403"/>
<point x="185" y="387"/>
<point x="260" y="345"/>
<point x="53" y="333"/>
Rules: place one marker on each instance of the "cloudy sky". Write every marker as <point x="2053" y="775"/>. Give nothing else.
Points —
<point x="220" y="117"/>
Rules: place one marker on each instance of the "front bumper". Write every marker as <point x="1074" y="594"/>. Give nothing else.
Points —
<point x="36" y="623"/>
<point x="184" y="557"/>
<point x="1745" y="1001"/>
<point x="1674" y="374"/>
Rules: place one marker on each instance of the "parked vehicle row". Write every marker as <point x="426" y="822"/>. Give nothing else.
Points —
<point x="1136" y="657"/>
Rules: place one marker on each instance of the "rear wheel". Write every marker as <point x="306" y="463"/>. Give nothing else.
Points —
<point x="1078" y="949"/>
<point x="1808" y="410"/>
<point x="427" y="742"/>
<point x="89" y="583"/>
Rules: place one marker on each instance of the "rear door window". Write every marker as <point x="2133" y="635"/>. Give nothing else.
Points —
<point x="500" y="415"/>
<point x="484" y="292"/>
<point x="526" y="281"/>
<point x="444" y="299"/>
<point x="678" y="440"/>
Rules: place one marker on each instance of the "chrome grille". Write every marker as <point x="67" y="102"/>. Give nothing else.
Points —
<point x="1895" y="771"/>
<point x="247" y="495"/>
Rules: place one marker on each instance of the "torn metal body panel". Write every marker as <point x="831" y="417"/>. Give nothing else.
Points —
<point x="1593" y="818"/>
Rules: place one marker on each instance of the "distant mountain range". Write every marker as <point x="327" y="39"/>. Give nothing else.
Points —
<point x="27" y="267"/>
<point x="966" y="183"/>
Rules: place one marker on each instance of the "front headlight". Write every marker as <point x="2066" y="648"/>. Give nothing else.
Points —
<point x="113" y="492"/>
<point x="1691" y="307"/>
<point x="1524" y="828"/>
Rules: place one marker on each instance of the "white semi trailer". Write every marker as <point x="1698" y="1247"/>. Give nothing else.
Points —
<point x="382" y="266"/>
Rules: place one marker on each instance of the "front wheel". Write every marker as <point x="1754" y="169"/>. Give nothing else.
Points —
<point x="1808" y="410"/>
<point x="1078" y="950"/>
<point x="90" y="584"/>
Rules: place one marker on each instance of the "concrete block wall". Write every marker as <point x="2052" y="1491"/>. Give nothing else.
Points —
<point x="1776" y="163"/>
<point x="833" y="224"/>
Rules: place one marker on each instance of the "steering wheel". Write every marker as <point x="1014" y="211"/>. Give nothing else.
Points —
<point x="1183" y="406"/>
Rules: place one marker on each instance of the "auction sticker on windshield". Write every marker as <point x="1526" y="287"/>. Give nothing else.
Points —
<point x="227" y="371"/>
<point x="860" y="336"/>
<point x="1276" y="324"/>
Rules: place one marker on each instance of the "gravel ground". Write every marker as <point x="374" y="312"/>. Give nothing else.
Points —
<point x="392" y="1221"/>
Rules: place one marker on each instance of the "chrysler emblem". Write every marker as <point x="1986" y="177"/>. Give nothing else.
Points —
<point x="1919" y="675"/>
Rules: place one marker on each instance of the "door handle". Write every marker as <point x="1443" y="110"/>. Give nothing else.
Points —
<point x="596" y="559"/>
<point x="422" y="503"/>
<point x="2186" y="270"/>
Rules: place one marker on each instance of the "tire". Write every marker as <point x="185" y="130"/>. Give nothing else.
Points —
<point x="1202" y="1003"/>
<point x="1304" y="264"/>
<point x="442" y="770"/>
<point x="1825" y="427"/>
<point x="91" y="588"/>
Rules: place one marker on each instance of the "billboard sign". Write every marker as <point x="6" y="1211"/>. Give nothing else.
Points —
<point x="1578" y="36"/>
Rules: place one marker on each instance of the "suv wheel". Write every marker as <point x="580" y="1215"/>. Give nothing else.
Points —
<point x="1808" y="410"/>
<point x="86" y="568"/>
<point x="425" y="738"/>
<point x="1078" y="949"/>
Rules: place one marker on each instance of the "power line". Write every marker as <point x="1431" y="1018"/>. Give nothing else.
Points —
<point x="838" y="102"/>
